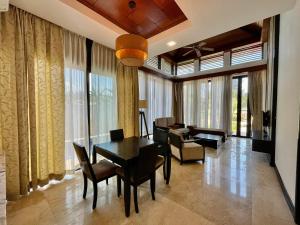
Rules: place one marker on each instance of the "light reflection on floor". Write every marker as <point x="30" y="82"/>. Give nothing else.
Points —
<point x="234" y="186"/>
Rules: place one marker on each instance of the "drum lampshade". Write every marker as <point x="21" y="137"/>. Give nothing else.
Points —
<point x="131" y="49"/>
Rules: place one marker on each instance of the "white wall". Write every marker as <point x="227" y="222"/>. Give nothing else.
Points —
<point x="288" y="101"/>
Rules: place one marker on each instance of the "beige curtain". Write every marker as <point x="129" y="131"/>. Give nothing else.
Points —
<point x="31" y="100"/>
<point x="128" y="99"/>
<point x="256" y="101"/>
<point x="178" y="101"/>
<point x="227" y="104"/>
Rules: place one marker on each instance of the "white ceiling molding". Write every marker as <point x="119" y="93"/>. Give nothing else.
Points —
<point x="205" y="19"/>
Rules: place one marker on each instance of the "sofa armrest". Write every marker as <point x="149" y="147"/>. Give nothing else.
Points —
<point x="181" y="125"/>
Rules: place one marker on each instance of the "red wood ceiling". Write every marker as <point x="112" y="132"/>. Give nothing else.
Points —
<point x="149" y="18"/>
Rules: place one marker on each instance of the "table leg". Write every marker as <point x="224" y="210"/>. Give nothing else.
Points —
<point x="168" y="168"/>
<point x="94" y="155"/>
<point x="127" y="191"/>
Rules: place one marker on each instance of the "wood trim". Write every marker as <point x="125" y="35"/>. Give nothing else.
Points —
<point x="222" y="73"/>
<point x="89" y="45"/>
<point x="155" y="73"/>
<point x="285" y="193"/>
<point x="275" y="87"/>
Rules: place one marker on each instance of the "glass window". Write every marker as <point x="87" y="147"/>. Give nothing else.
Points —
<point x="153" y="62"/>
<point x="185" y="67"/>
<point x="212" y="62"/>
<point x="249" y="53"/>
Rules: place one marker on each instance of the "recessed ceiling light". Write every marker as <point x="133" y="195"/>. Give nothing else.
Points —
<point x="171" y="43"/>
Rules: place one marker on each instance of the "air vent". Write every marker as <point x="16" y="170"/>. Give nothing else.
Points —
<point x="4" y="5"/>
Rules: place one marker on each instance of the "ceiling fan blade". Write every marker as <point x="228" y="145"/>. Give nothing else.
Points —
<point x="188" y="47"/>
<point x="201" y="44"/>
<point x="188" y="52"/>
<point x="208" y="49"/>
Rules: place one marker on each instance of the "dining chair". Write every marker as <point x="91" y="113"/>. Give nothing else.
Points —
<point x="95" y="172"/>
<point x="161" y="141"/>
<point x="144" y="169"/>
<point x="116" y="135"/>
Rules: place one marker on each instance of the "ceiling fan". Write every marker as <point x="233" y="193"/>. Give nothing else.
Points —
<point x="197" y="48"/>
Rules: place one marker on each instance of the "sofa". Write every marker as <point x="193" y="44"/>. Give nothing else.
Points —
<point x="197" y="130"/>
<point x="167" y="123"/>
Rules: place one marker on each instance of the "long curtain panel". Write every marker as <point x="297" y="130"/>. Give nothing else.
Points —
<point x="128" y="99"/>
<point x="256" y="97"/>
<point x="103" y="93"/>
<point x="158" y="93"/>
<point x="76" y="116"/>
<point x="32" y="100"/>
<point x="203" y="102"/>
<point x="178" y="105"/>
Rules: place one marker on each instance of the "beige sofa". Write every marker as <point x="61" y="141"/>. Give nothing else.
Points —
<point x="185" y="150"/>
<point x="167" y="123"/>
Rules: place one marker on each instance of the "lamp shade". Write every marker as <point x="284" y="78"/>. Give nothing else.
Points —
<point x="131" y="49"/>
<point x="143" y="104"/>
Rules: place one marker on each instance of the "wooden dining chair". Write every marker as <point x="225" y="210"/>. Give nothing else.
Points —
<point x="116" y="135"/>
<point x="95" y="172"/>
<point x="144" y="169"/>
<point x="161" y="141"/>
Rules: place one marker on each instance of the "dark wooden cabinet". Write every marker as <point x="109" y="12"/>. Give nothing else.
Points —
<point x="261" y="143"/>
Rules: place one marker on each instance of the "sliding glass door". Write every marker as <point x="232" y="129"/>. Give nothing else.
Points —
<point x="241" y="117"/>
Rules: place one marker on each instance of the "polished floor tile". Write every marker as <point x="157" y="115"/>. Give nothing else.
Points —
<point x="234" y="186"/>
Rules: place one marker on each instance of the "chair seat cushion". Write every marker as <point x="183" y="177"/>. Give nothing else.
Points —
<point x="104" y="169"/>
<point x="191" y="145"/>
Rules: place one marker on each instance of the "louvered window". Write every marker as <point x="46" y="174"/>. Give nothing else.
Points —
<point x="185" y="68"/>
<point x="166" y="66"/>
<point x="212" y="62"/>
<point x="246" y="54"/>
<point x="153" y="62"/>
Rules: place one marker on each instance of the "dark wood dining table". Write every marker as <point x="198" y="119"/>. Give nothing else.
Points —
<point x="123" y="153"/>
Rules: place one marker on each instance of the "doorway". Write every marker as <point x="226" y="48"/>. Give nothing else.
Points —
<point x="241" y="116"/>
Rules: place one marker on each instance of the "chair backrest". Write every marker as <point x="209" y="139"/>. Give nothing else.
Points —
<point x="175" y="140"/>
<point x="116" y="135"/>
<point x="146" y="162"/>
<point x="84" y="160"/>
<point x="160" y="136"/>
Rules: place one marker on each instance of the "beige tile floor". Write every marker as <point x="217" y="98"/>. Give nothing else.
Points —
<point x="234" y="186"/>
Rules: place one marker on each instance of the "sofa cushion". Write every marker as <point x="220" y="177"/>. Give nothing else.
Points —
<point x="161" y="122"/>
<point x="170" y="121"/>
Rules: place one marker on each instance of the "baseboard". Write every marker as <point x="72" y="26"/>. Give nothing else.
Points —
<point x="285" y="193"/>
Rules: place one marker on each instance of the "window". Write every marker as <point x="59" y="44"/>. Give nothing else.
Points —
<point x="185" y="67"/>
<point x="166" y="66"/>
<point x="249" y="53"/>
<point x="212" y="62"/>
<point x="153" y="62"/>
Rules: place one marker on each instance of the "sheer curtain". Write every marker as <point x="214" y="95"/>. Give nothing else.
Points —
<point x="203" y="102"/>
<point x="103" y="93"/>
<point x="217" y="100"/>
<point x="76" y="118"/>
<point x="158" y="92"/>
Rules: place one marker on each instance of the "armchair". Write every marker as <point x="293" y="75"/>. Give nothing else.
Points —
<point x="186" y="150"/>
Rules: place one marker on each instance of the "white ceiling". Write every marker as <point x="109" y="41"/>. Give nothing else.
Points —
<point x="206" y="18"/>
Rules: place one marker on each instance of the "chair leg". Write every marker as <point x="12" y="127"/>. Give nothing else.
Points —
<point x="85" y="183"/>
<point x="164" y="168"/>
<point x="107" y="181"/>
<point x="95" y="194"/>
<point x="152" y="186"/>
<point x="119" y="185"/>
<point x="135" y="200"/>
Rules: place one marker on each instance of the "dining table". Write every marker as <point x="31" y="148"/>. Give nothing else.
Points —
<point x="124" y="153"/>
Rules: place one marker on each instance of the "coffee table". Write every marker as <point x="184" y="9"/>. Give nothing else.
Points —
<point x="208" y="140"/>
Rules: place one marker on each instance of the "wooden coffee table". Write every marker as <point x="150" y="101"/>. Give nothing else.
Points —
<point x="208" y="140"/>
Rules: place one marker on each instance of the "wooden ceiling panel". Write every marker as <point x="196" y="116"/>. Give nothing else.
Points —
<point x="147" y="19"/>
